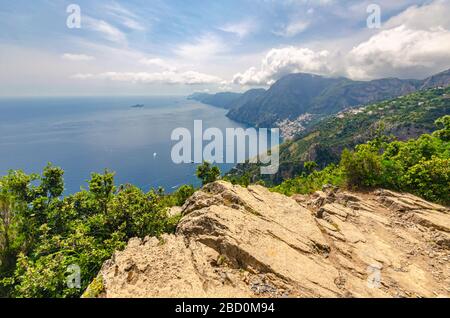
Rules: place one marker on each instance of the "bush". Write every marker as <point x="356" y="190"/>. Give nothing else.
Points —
<point x="303" y="184"/>
<point x="42" y="235"/>
<point x="362" y="167"/>
<point x="310" y="166"/>
<point x="183" y="193"/>
<point x="430" y="179"/>
<point x="208" y="173"/>
<point x="444" y="132"/>
<point x="243" y="180"/>
<point x="419" y="166"/>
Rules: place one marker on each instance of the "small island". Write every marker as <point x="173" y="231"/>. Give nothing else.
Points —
<point x="138" y="106"/>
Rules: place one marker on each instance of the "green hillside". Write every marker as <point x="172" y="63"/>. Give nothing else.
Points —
<point x="403" y="117"/>
<point x="420" y="166"/>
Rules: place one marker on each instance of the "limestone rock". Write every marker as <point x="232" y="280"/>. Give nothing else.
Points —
<point x="174" y="211"/>
<point x="238" y="242"/>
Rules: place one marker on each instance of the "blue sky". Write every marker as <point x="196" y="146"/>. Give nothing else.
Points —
<point x="158" y="47"/>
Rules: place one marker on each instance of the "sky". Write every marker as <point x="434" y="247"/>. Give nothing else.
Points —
<point x="177" y="47"/>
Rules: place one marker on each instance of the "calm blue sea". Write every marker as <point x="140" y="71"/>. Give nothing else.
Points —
<point x="84" y="135"/>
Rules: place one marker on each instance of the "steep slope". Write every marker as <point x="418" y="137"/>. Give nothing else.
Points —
<point x="287" y="98"/>
<point x="298" y="94"/>
<point x="251" y="95"/>
<point x="441" y="79"/>
<point x="404" y="117"/>
<point x="237" y="242"/>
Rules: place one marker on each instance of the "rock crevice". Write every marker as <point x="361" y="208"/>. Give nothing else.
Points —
<point x="238" y="242"/>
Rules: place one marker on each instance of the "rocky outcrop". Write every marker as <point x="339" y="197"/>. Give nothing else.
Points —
<point x="237" y="242"/>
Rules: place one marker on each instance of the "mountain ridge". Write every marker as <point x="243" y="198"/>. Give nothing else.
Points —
<point x="403" y="117"/>
<point x="222" y="100"/>
<point x="298" y="94"/>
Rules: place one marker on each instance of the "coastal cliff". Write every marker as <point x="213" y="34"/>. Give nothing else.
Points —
<point x="250" y="242"/>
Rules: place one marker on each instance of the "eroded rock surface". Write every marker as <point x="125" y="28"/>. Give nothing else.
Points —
<point x="237" y="242"/>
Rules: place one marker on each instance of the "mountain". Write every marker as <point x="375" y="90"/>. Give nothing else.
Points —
<point x="222" y="100"/>
<point x="251" y="95"/>
<point x="287" y="98"/>
<point x="440" y="79"/>
<point x="404" y="117"/>
<point x="295" y="95"/>
<point x="298" y="94"/>
<point x="250" y="242"/>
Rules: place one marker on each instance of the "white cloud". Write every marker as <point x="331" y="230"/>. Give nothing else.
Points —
<point x="166" y="77"/>
<point x="159" y="63"/>
<point x="125" y="17"/>
<point x="108" y="31"/>
<point x="240" y="29"/>
<point x="119" y="9"/>
<point x="81" y="76"/>
<point x="77" y="57"/>
<point x="205" y="47"/>
<point x="430" y="16"/>
<point x="413" y="44"/>
<point x="401" y="52"/>
<point x="132" y="24"/>
<point x="280" y="62"/>
<point x="293" y="28"/>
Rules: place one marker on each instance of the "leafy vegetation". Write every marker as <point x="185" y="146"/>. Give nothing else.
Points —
<point x="420" y="166"/>
<point x="404" y="117"/>
<point x="44" y="235"/>
<point x="208" y="173"/>
<point x="309" y="183"/>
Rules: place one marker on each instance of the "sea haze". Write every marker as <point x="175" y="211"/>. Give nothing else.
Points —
<point x="85" y="135"/>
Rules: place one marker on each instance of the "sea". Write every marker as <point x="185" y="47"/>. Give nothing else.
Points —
<point x="83" y="135"/>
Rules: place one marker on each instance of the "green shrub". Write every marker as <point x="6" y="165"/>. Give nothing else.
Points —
<point x="362" y="167"/>
<point x="430" y="179"/>
<point x="42" y="235"/>
<point x="303" y="184"/>
<point x="444" y="132"/>
<point x="208" y="173"/>
<point x="419" y="166"/>
<point x="183" y="193"/>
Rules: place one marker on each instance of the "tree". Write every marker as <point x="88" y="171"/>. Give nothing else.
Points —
<point x="102" y="187"/>
<point x="430" y="179"/>
<point x="52" y="181"/>
<point x="207" y="173"/>
<point x="310" y="166"/>
<point x="6" y="223"/>
<point x="362" y="167"/>
<point x="17" y="183"/>
<point x="183" y="193"/>
<point x="444" y="123"/>
<point x="18" y="194"/>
